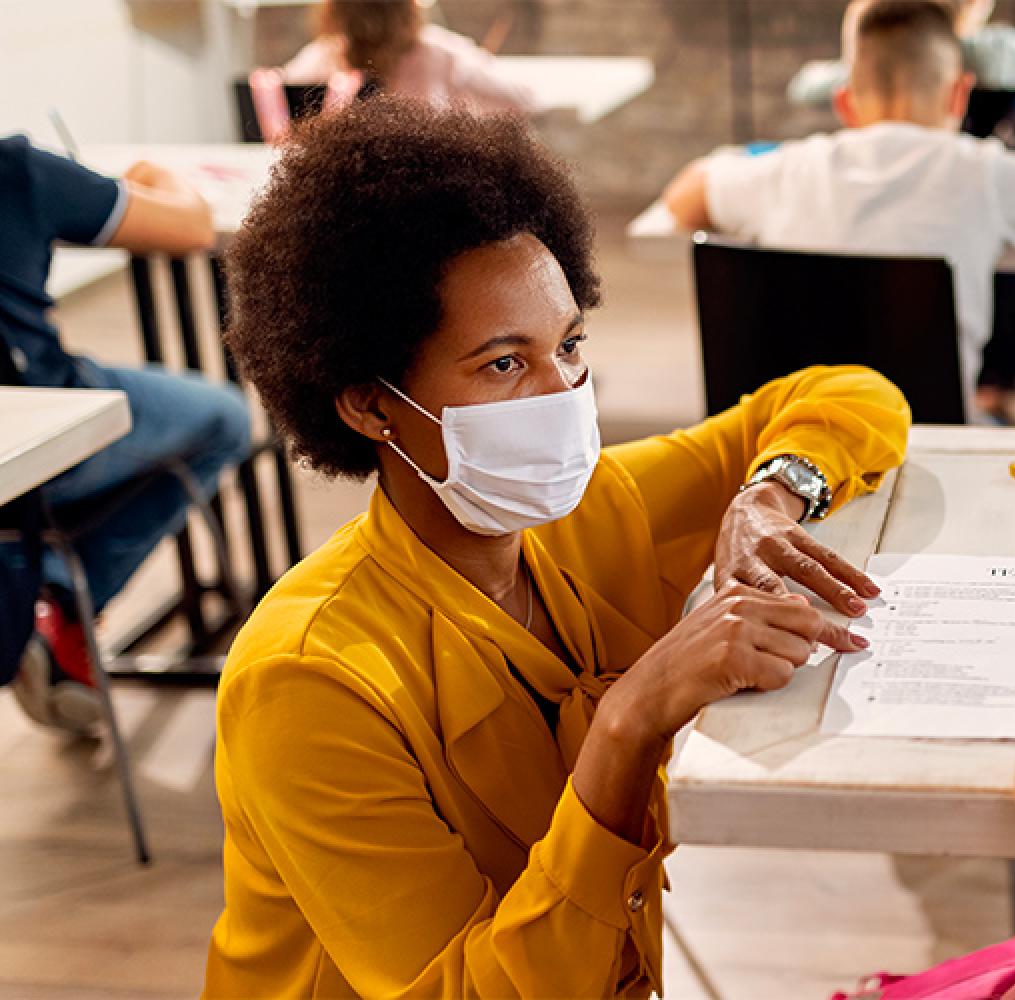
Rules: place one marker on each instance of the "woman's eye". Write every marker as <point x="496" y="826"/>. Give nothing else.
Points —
<point x="504" y="365"/>
<point x="572" y="344"/>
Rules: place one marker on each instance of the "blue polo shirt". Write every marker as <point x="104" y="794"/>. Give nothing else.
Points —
<point x="43" y="198"/>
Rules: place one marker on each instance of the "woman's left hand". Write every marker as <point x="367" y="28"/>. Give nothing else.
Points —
<point x="760" y="542"/>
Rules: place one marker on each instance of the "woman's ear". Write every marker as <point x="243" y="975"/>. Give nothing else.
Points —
<point x="363" y="408"/>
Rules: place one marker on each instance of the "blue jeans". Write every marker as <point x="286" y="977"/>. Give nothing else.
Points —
<point x="174" y="416"/>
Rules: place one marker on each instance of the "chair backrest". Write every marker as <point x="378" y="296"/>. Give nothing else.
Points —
<point x="765" y="313"/>
<point x="302" y="99"/>
<point x="10" y="374"/>
<point x="999" y="352"/>
<point x="987" y="110"/>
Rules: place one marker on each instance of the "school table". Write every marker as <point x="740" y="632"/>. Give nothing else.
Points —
<point x="44" y="432"/>
<point x="756" y="771"/>
<point x="654" y="225"/>
<point x="590" y="86"/>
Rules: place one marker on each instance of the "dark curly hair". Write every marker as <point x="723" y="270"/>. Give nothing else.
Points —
<point x="335" y="276"/>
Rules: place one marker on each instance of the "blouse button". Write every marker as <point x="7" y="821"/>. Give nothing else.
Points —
<point x="636" y="901"/>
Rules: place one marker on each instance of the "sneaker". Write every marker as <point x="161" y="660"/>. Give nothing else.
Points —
<point x="65" y="639"/>
<point x="48" y="696"/>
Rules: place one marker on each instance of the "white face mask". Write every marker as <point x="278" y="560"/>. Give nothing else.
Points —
<point x="518" y="463"/>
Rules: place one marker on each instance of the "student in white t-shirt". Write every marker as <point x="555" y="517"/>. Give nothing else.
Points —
<point x="899" y="180"/>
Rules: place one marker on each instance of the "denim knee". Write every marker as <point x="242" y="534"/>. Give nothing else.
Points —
<point x="232" y="430"/>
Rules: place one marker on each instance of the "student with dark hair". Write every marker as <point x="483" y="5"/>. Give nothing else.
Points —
<point x="388" y="44"/>
<point x="44" y="198"/>
<point x="899" y="179"/>
<point x="440" y="736"/>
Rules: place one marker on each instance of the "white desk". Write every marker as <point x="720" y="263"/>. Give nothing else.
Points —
<point x="756" y="771"/>
<point x="655" y="224"/>
<point x="227" y="174"/>
<point x="44" y="432"/>
<point x="74" y="268"/>
<point x="591" y="86"/>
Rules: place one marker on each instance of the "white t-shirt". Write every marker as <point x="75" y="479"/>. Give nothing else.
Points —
<point x="891" y="188"/>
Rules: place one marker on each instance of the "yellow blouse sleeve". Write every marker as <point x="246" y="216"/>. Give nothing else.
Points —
<point x="339" y="804"/>
<point x="850" y="421"/>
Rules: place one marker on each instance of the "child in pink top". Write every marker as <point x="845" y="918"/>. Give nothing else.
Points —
<point x="386" y="42"/>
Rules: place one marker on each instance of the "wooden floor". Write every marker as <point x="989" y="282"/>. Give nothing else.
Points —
<point x="79" y="920"/>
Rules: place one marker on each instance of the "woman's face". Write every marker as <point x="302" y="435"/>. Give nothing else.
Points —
<point x="510" y="329"/>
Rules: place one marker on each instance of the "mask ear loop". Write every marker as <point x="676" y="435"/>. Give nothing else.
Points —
<point x="567" y="375"/>
<point x="394" y="447"/>
<point x="411" y="402"/>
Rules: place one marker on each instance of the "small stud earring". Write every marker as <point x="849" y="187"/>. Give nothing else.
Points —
<point x="386" y="432"/>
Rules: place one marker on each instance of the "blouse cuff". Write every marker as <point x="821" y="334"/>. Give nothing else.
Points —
<point x="598" y="871"/>
<point x="845" y="479"/>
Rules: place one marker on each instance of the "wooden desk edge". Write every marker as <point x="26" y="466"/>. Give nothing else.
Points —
<point x="959" y="824"/>
<point x="82" y="438"/>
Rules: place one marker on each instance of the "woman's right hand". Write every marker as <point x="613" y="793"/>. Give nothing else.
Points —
<point x="740" y="639"/>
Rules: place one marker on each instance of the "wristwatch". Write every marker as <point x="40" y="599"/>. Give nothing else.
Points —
<point x="802" y="478"/>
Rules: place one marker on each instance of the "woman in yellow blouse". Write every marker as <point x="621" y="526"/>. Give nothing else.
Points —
<point x="441" y="735"/>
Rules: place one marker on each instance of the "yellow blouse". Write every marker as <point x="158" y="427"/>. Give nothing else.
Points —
<point x="399" y="820"/>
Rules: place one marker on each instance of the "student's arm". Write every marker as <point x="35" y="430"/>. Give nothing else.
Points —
<point x="163" y="212"/>
<point x="816" y="82"/>
<point x="728" y="192"/>
<point x="687" y="197"/>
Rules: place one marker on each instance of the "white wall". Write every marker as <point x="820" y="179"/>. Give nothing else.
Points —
<point x="121" y="70"/>
<point x="73" y="55"/>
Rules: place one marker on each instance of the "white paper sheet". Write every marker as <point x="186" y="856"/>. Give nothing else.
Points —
<point x="942" y="658"/>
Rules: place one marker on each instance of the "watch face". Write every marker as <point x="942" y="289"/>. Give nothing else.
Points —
<point x="800" y="477"/>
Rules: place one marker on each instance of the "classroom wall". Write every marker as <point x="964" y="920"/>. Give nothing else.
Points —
<point x="69" y="55"/>
<point x="120" y="70"/>
<point x="696" y="45"/>
<point x="159" y="71"/>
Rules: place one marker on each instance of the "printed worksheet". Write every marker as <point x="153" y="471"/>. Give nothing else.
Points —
<point x="941" y="663"/>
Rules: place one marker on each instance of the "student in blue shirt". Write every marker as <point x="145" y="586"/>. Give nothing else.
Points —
<point x="43" y="198"/>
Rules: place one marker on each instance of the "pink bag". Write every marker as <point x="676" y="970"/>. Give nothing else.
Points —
<point x="988" y="974"/>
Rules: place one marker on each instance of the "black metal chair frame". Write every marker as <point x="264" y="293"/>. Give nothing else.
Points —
<point x="990" y="113"/>
<point x="302" y="99"/>
<point x="62" y="529"/>
<point x="205" y="634"/>
<point x="764" y="313"/>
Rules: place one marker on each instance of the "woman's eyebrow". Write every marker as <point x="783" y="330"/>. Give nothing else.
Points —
<point x="516" y="339"/>
<point x="503" y="340"/>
